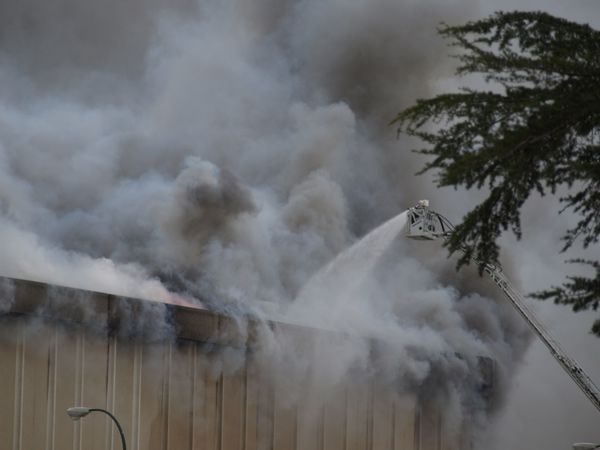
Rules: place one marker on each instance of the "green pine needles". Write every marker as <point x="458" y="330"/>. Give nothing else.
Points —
<point x="537" y="129"/>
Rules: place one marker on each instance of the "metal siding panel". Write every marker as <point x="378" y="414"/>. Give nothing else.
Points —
<point x="404" y="428"/>
<point x="417" y="432"/>
<point x="179" y="433"/>
<point x="94" y="385"/>
<point x="152" y="427"/>
<point x="111" y="362"/>
<point x="123" y="392"/>
<point x="464" y="439"/>
<point x="284" y="421"/>
<point x="310" y="428"/>
<point x="430" y="429"/>
<point x="207" y="404"/>
<point x="136" y="396"/>
<point x="51" y="388"/>
<point x="448" y="442"/>
<point x="10" y="381"/>
<point x="334" y="431"/>
<point x="233" y="411"/>
<point x="449" y="438"/>
<point x="383" y="421"/>
<point x="266" y="401"/>
<point x="65" y="390"/>
<point x="35" y="377"/>
<point x="357" y="417"/>
<point x="251" y="408"/>
<point x="170" y="398"/>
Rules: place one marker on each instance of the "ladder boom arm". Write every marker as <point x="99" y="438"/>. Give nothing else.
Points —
<point x="425" y="224"/>
<point x="569" y="365"/>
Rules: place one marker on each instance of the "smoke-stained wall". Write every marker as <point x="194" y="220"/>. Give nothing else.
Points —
<point x="184" y="389"/>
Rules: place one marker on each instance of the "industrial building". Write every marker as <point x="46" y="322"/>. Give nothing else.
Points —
<point x="174" y="384"/>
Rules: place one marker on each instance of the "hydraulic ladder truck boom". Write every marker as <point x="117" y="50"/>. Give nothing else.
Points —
<point x="425" y="224"/>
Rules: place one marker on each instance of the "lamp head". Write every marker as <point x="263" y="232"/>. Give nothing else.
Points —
<point x="77" y="412"/>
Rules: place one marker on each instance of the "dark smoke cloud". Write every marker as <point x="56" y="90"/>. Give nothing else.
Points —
<point x="205" y="201"/>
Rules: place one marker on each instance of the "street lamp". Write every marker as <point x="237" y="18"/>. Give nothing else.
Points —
<point x="585" y="445"/>
<point x="77" y="412"/>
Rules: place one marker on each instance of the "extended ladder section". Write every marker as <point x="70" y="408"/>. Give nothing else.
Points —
<point x="425" y="224"/>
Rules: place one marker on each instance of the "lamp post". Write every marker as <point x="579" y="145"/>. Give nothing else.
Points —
<point x="585" y="445"/>
<point x="77" y="412"/>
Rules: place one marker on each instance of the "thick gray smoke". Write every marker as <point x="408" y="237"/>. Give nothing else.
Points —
<point x="156" y="152"/>
<point x="223" y="152"/>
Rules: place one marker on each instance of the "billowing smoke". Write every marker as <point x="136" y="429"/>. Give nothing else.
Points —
<point x="224" y="152"/>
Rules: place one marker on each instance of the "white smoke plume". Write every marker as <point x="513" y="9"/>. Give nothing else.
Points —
<point x="222" y="153"/>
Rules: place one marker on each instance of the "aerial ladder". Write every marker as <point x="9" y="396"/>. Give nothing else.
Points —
<point x="426" y="224"/>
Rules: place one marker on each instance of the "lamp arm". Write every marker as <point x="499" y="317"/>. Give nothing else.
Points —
<point x="116" y="423"/>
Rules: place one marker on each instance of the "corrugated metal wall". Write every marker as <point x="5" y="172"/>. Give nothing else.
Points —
<point x="177" y="396"/>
